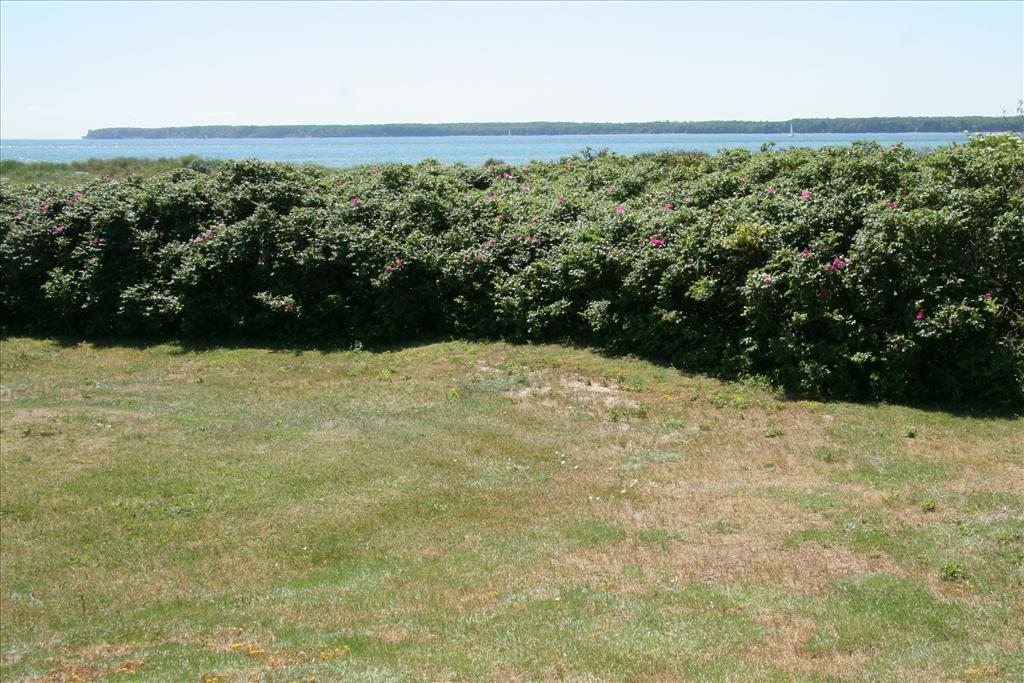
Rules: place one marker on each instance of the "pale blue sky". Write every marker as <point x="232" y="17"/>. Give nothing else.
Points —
<point x="68" y="67"/>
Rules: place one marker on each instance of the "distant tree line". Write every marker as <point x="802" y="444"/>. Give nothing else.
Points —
<point x="891" y="124"/>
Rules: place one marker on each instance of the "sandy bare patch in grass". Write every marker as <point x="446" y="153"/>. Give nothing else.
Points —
<point x="570" y="391"/>
<point x="532" y="392"/>
<point x="610" y="395"/>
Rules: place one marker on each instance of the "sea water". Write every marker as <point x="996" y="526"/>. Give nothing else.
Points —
<point x="467" y="149"/>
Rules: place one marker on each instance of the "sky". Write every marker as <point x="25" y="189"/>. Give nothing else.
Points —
<point x="69" y="67"/>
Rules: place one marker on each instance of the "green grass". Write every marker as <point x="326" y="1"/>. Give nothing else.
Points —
<point x="486" y="511"/>
<point x="77" y="172"/>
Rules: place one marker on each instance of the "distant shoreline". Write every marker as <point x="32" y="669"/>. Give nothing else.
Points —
<point x="471" y="150"/>
<point x="782" y="136"/>
<point x="872" y="125"/>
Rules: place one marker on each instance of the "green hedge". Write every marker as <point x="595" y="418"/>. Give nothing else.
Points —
<point x="860" y="272"/>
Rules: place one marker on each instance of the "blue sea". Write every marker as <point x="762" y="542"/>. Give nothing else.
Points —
<point x="470" y="150"/>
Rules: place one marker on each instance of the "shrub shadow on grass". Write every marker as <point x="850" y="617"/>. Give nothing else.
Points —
<point x="296" y="348"/>
<point x="956" y="409"/>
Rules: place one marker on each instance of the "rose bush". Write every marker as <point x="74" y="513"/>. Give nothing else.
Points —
<point x="859" y="272"/>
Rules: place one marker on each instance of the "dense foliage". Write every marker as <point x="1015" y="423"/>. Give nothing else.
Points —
<point x="863" y="272"/>
<point x="887" y="124"/>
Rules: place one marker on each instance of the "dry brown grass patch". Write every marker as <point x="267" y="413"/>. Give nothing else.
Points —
<point x="785" y="648"/>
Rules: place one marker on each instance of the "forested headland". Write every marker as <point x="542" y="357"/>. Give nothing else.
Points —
<point x="890" y="124"/>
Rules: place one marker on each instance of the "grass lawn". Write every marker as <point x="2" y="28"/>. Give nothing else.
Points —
<point x="461" y="511"/>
